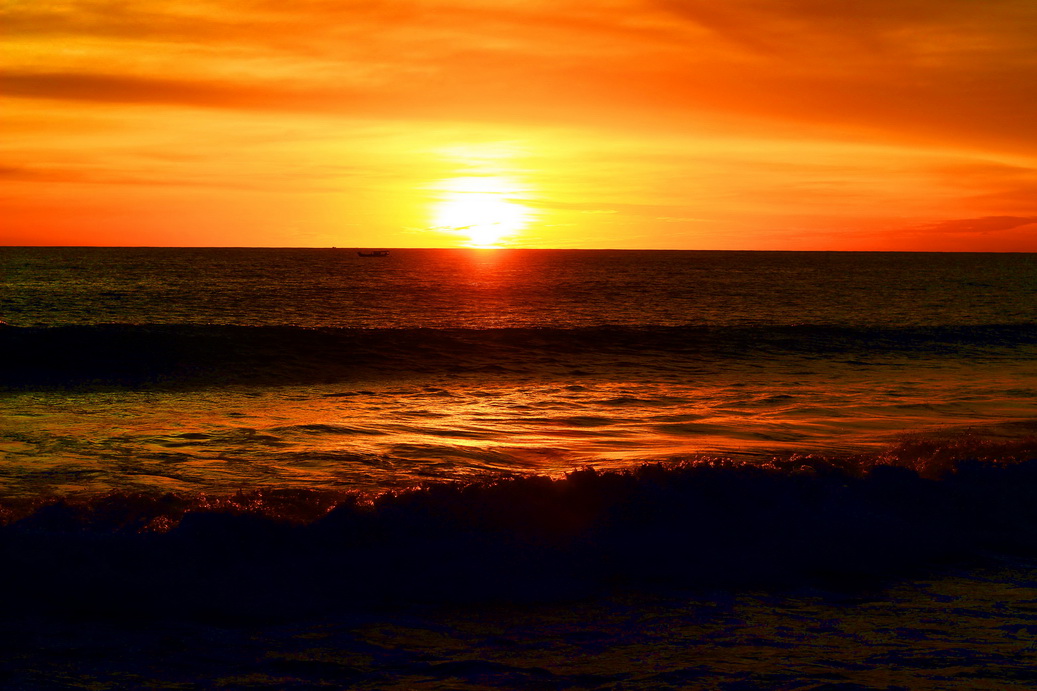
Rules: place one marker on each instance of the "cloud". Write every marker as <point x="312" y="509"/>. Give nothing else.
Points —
<point x="17" y="173"/>
<point x="114" y="88"/>
<point x="914" y="71"/>
<point x="920" y="70"/>
<point x="608" y="208"/>
<point x="972" y="226"/>
<point x="924" y="29"/>
<point x="987" y="186"/>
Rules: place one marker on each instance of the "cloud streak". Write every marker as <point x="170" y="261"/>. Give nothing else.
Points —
<point x="971" y="226"/>
<point x="917" y="70"/>
<point x="102" y="88"/>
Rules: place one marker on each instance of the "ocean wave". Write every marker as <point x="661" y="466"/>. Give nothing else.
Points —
<point x="133" y="355"/>
<point x="705" y="523"/>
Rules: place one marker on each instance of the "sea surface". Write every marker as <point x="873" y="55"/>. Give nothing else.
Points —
<point x="518" y="468"/>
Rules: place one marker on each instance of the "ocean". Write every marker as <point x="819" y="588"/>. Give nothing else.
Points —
<point x="303" y="468"/>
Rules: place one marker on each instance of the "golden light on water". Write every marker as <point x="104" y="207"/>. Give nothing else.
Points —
<point x="484" y="210"/>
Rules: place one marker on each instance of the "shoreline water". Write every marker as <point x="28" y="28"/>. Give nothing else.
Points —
<point x="969" y="630"/>
<point x="811" y="572"/>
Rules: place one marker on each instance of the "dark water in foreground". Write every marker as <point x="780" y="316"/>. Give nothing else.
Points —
<point x="836" y="491"/>
<point x="958" y="632"/>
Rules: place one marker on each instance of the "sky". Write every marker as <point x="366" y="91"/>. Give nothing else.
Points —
<point x="640" y="124"/>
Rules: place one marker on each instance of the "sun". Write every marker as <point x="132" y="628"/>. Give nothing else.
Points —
<point x="481" y="209"/>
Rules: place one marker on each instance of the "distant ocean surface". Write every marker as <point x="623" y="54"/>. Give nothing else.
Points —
<point x="226" y="430"/>
<point x="220" y="369"/>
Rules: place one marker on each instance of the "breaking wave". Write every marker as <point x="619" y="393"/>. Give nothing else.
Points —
<point x="704" y="523"/>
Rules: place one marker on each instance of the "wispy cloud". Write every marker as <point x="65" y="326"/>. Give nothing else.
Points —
<point x="104" y="88"/>
<point x="919" y="69"/>
<point x="972" y="226"/>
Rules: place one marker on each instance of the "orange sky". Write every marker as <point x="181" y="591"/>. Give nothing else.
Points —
<point x="688" y="124"/>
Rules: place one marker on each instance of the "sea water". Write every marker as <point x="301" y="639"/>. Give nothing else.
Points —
<point x="239" y="433"/>
<point x="221" y="369"/>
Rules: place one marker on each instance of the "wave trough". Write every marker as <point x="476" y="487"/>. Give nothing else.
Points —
<point x="133" y="355"/>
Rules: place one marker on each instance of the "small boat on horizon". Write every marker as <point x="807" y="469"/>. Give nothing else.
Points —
<point x="375" y="253"/>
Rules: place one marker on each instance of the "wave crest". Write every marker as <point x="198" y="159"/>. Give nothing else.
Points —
<point x="704" y="523"/>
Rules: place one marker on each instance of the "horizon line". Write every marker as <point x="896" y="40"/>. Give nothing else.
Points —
<point x="506" y="249"/>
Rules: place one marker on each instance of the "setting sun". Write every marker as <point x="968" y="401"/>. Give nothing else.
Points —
<point x="481" y="209"/>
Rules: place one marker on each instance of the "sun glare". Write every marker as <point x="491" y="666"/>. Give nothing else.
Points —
<point x="481" y="209"/>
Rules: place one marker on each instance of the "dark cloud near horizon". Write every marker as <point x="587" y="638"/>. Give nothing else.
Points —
<point x="986" y="224"/>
